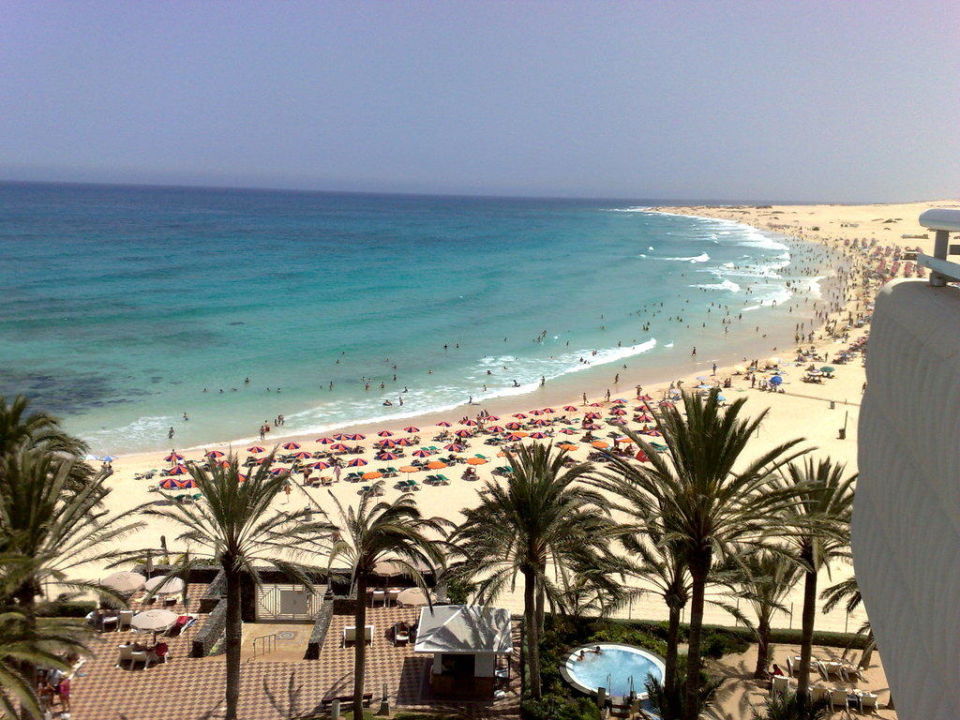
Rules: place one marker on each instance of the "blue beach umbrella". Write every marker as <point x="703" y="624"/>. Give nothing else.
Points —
<point x="776" y="380"/>
<point x="108" y="458"/>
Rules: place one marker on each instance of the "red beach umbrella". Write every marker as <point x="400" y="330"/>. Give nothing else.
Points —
<point x="411" y="429"/>
<point x="177" y="470"/>
<point x="324" y="441"/>
<point x="173" y="457"/>
<point x="463" y="433"/>
<point x="443" y="423"/>
<point x="549" y="410"/>
<point x="302" y="455"/>
<point x="494" y="429"/>
<point x="537" y="435"/>
<point x="569" y="408"/>
<point x="618" y="411"/>
<point x="357" y="462"/>
<point x="168" y="484"/>
<point x="514" y="426"/>
<point x="454" y="447"/>
<point x="385" y="433"/>
<point x="255" y="449"/>
<point x="224" y="463"/>
<point x="494" y="418"/>
<point x="339" y="447"/>
<point x="592" y="415"/>
<point x="214" y="454"/>
<point x="469" y="423"/>
<point x="535" y="412"/>
<point x="358" y="436"/>
<point x="291" y="446"/>
<point x="519" y="416"/>
<point x="387" y="456"/>
<point x="388" y="443"/>
<point x="320" y="465"/>
<point x="513" y="437"/>
<point x="406" y="442"/>
<point x="340" y="437"/>
<point x="421" y="453"/>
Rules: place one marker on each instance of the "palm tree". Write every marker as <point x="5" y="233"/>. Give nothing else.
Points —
<point x="541" y="520"/>
<point x="818" y="518"/>
<point x="793" y="706"/>
<point x="848" y="591"/>
<point x="235" y="526"/>
<point x="376" y="531"/>
<point x="766" y="578"/>
<point x="705" y="500"/>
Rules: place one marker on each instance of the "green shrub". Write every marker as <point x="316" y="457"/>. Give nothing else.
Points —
<point x="558" y="707"/>
<point x="626" y="635"/>
<point x="715" y="643"/>
<point x="65" y="608"/>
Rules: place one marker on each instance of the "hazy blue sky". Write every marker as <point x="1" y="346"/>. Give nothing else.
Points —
<point x="724" y="100"/>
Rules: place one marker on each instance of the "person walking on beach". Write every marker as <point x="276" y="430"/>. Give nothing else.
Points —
<point x="693" y="353"/>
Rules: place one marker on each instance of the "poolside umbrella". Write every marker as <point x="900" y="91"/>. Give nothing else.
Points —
<point x="477" y="461"/>
<point x="214" y="454"/>
<point x="387" y="455"/>
<point x="454" y="447"/>
<point x="153" y="620"/>
<point x="443" y="423"/>
<point x="569" y="408"/>
<point x="177" y="470"/>
<point x="600" y="444"/>
<point x="164" y="585"/>
<point x="463" y="433"/>
<point x="172" y="457"/>
<point x="322" y="441"/>
<point x="537" y="435"/>
<point x="255" y="449"/>
<point x="124" y="582"/>
<point x="436" y="464"/>
<point x="411" y="429"/>
<point x="291" y="446"/>
<point x="413" y="597"/>
<point x="320" y="465"/>
<point x="357" y="462"/>
<point x="373" y="475"/>
<point x="421" y="453"/>
<point x="776" y="380"/>
<point x="385" y="433"/>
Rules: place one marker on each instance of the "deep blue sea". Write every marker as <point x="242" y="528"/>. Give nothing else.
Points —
<point x="121" y="308"/>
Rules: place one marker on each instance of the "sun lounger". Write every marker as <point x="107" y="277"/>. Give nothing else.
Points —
<point x="868" y="701"/>
<point x="327" y="702"/>
<point x="780" y="684"/>
<point x="819" y="693"/>
<point x="350" y="634"/>
<point x="125" y="654"/>
<point x="124" y="619"/>
<point x="180" y="624"/>
<point x="838" y="696"/>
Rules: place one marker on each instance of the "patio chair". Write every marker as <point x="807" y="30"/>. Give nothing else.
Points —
<point x="378" y="596"/>
<point x="125" y="653"/>
<point x="350" y="634"/>
<point x="124" y="619"/>
<point x="401" y="634"/>
<point x="110" y="621"/>
<point x="144" y="656"/>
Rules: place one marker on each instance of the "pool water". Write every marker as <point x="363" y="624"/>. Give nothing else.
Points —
<point x="618" y="668"/>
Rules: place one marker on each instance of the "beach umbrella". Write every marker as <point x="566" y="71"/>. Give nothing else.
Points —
<point x="241" y="477"/>
<point x="164" y="585"/>
<point x="477" y="461"/>
<point x="721" y="398"/>
<point x="569" y="408"/>
<point x="177" y="470"/>
<point x="436" y="464"/>
<point x="600" y="444"/>
<point x="463" y="433"/>
<point x="302" y="455"/>
<point x="255" y="449"/>
<point x="468" y="422"/>
<point x="153" y="620"/>
<point x="618" y="411"/>
<point x="321" y="465"/>
<point x="541" y="422"/>
<point x="591" y="426"/>
<point x="373" y="475"/>
<point x="124" y="581"/>
<point x="549" y="410"/>
<point x="421" y="453"/>
<point x="592" y="415"/>
<point x="568" y="431"/>
<point x="339" y="447"/>
<point x="413" y="597"/>
<point x="387" y="443"/>
<point x="454" y="447"/>
<point x="825" y="369"/>
<point x="494" y="429"/>
<point x="492" y="417"/>
<point x="537" y="435"/>
<point x="513" y="426"/>
<point x="322" y="441"/>
<point x="108" y="458"/>
<point x="385" y="433"/>
<point x="411" y="429"/>
<point x="278" y="470"/>
<point x="291" y="446"/>
<point x="214" y="454"/>
<point x="406" y="442"/>
<point x="513" y="437"/>
<point x="340" y="437"/>
<point x="409" y="469"/>
<point x="535" y="412"/>
<point x="387" y="455"/>
<point x="168" y="484"/>
<point x="443" y="423"/>
<point x="357" y="462"/>
<point x="569" y="447"/>
<point x="519" y="416"/>
<point x="776" y="380"/>
<point x="173" y="457"/>
<point x="596" y="404"/>
<point x="642" y="456"/>
<point x="224" y="463"/>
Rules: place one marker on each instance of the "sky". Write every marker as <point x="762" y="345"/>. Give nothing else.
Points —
<point x="754" y="101"/>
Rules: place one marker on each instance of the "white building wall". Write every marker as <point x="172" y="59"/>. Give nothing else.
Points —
<point x="906" y="522"/>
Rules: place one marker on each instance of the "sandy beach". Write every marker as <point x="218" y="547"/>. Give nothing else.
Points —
<point x="815" y="412"/>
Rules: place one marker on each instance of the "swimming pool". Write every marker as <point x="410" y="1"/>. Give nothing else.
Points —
<point x="618" y="668"/>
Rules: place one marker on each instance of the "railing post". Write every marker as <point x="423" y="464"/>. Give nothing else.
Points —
<point x="941" y="246"/>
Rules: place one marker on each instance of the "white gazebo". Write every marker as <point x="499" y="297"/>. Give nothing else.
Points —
<point x="465" y="641"/>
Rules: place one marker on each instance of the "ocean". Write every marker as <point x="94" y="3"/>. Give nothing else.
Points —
<point x="124" y="308"/>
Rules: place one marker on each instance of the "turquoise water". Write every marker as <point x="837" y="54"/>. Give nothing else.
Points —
<point x="618" y="669"/>
<point x="121" y="305"/>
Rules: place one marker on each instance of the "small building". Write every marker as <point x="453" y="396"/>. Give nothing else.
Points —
<point x="465" y="641"/>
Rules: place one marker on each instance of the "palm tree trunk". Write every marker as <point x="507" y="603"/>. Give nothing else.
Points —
<point x="360" y="647"/>
<point x="26" y="596"/>
<point x="692" y="691"/>
<point x="809" y="618"/>
<point x="541" y="600"/>
<point x="234" y="636"/>
<point x="673" y="638"/>
<point x="763" y="648"/>
<point x="533" y="632"/>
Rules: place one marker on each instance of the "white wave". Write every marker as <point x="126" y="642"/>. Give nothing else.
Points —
<point x="669" y="345"/>
<point x="725" y="285"/>
<point x="701" y="258"/>
<point x="635" y="209"/>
